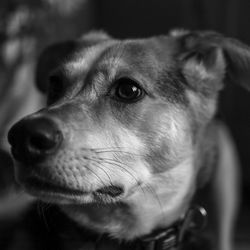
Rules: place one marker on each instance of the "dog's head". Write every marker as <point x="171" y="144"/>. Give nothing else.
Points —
<point x="116" y="147"/>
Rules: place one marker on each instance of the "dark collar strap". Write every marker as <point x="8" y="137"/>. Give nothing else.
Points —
<point x="175" y="236"/>
<point x="164" y="240"/>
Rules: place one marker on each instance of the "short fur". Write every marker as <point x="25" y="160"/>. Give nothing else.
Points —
<point x="160" y="150"/>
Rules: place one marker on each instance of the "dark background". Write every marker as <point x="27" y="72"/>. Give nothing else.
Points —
<point x="28" y="26"/>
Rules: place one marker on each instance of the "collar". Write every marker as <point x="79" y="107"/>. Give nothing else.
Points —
<point x="174" y="237"/>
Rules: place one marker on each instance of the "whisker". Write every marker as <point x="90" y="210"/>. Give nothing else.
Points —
<point x="116" y="151"/>
<point x="116" y="147"/>
<point x="149" y="187"/>
<point x="115" y="163"/>
<point x="97" y="176"/>
<point x="153" y="192"/>
<point x="42" y="214"/>
<point x="121" y="168"/>
<point x="47" y="206"/>
<point x="111" y="160"/>
<point x="95" y="164"/>
<point x="100" y="161"/>
<point x="105" y="148"/>
<point x="137" y="181"/>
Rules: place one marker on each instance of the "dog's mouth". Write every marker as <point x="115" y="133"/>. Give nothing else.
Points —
<point x="38" y="184"/>
<point x="42" y="188"/>
<point x="111" y="190"/>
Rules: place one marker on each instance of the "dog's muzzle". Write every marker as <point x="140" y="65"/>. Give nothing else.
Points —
<point x="33" y="139"/>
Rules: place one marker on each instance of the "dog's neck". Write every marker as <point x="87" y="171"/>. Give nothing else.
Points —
<point x="175" y="237"/>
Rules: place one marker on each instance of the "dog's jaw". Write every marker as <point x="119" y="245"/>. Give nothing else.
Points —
<point x="151" y="207"/>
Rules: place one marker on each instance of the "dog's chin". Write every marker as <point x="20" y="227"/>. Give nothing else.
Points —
<point x="53" y="192"/>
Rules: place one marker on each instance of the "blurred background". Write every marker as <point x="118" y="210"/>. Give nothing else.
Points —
<point x="28" y="26"/>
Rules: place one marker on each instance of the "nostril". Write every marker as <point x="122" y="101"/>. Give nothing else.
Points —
<point x="13" y="135"/>
<point x="43" y="141"/>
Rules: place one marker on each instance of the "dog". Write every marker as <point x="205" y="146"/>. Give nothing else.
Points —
<point x="129" y="136"/>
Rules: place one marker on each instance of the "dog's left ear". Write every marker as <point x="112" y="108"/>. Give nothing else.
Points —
<point x="49" y="60"/>
<point x="210" y="57"/>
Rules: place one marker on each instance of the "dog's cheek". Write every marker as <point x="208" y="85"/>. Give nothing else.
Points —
<point x="120" y="152"/>
<point x="167" y="135"/>
<point x="179" y="188"/>
<point x="131" y="169"/>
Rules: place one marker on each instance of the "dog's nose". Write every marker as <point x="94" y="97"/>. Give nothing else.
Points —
<point x="34" y="139"/>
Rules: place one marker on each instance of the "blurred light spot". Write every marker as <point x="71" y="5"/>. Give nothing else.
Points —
<point x="11" y="51"/>
<point x="66" y="6"/>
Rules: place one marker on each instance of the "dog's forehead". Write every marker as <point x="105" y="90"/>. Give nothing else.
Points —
<point x="112" y="59"/>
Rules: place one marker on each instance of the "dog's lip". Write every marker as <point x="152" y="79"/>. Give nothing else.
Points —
<point x="44" y="186"/>
<point x="111" y="190"/>
<point x="39" y="186"/>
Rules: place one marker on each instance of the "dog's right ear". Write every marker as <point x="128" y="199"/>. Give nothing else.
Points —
<point x="213" y="55"/>
<point x="56" y="54"/>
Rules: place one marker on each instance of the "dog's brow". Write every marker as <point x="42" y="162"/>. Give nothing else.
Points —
<point x="111" y="66"/>
<point x="120" y="60"/>
<point x="85" y="59"/>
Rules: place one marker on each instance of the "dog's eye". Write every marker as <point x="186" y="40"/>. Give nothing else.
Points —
<point x="127" y="90"/>
<point x="55" y="88"/>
